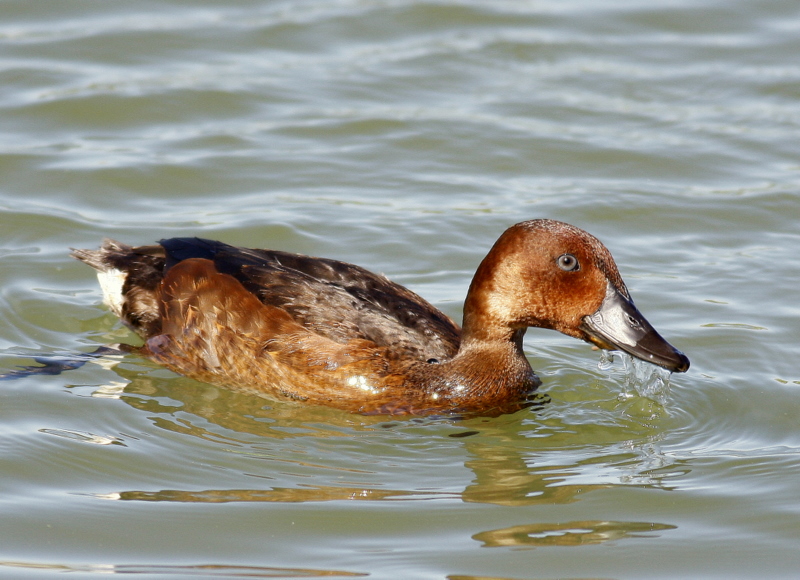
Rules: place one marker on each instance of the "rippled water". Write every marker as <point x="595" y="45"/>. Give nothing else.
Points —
<point x="404" y="136"/>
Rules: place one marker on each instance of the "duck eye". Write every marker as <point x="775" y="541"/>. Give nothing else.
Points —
<point x="568" y="263"/>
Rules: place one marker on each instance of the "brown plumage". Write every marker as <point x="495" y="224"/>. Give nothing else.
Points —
<point x="295" y="327"/>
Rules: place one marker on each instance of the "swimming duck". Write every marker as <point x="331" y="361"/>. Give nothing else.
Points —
<point x="289" y="326"/>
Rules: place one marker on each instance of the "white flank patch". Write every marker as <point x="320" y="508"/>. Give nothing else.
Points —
<point x="111" y="282"/>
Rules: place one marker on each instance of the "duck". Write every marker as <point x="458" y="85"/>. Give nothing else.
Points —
<point x="290" y="327"/>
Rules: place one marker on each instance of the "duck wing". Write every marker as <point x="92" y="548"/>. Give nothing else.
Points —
<point x="214" y="330"/>
<point x="333" y="299"/>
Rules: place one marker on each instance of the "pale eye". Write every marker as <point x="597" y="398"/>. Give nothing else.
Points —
<point x="568" y="263"/>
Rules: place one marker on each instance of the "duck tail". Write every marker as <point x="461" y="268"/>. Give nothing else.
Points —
<point x="129" y="278"/>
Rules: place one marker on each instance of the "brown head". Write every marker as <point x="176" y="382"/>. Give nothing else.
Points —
<point x="548" y="274"/>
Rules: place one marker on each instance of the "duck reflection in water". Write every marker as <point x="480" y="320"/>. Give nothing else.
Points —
<point x="304" y="452"/>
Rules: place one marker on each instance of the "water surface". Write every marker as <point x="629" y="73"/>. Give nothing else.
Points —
<point x="405" y="136"/>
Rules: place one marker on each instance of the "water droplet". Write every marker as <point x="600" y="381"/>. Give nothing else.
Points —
<point x="606" y="360"/>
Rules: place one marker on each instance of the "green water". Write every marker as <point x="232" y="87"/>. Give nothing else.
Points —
<point x="404" y="136"/>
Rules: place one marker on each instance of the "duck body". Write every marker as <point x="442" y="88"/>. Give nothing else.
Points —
<point x="289" y="326"/>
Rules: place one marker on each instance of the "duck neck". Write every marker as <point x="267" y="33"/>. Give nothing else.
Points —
<point x="490" y="364"/>
<point x="484" y="374"/>
<point x="487" y="308"/>
<point x="479" y="337"/>
<point x="479" y="356"/>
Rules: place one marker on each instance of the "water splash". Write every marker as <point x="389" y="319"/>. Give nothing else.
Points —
<point x="606" y="362"/>
<point x="640" y="377"/>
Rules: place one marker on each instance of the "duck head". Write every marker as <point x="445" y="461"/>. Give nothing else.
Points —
<point x="549" y="274"/>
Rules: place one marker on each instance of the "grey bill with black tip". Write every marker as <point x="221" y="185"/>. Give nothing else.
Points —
<point x="618" y="325"/>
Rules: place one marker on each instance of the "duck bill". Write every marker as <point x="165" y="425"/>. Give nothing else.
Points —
<point x="618" y="325"/>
